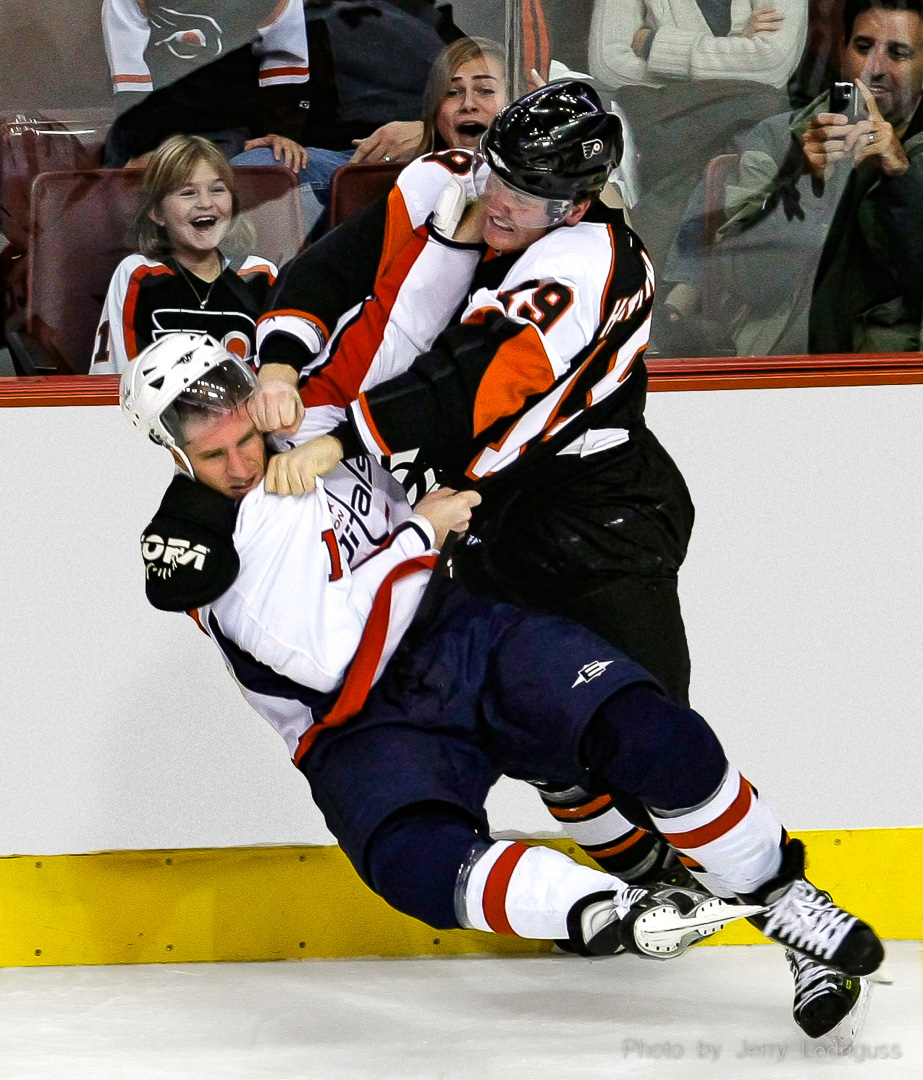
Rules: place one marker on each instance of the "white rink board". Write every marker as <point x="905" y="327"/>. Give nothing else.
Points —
<point x="121" y="728"/>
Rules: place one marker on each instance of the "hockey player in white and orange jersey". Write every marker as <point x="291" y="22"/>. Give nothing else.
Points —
<point x="534" y="394"/>
<point x="402" y="723"/>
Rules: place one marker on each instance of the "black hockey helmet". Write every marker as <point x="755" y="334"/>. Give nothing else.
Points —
<point x="555" y="142"/>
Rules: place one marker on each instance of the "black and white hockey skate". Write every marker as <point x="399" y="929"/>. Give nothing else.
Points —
<point x="805" y="920"/>
<point x="828" y="1005"/>
<point x="659" y="923"/>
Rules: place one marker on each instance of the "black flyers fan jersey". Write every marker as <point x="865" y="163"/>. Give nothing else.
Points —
<point x="149" y="299"/>
<point x="151" y="43"/>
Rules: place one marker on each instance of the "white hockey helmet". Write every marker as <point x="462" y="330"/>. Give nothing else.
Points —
<point x="172" y="371"/>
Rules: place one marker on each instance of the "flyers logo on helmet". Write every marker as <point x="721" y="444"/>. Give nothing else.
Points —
<point x="591" y="148"/>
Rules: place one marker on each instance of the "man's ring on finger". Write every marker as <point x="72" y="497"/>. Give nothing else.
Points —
<point x="871" y="136"/>
<point x="387" y="157"/>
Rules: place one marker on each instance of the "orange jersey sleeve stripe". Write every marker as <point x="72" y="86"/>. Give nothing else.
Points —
<point x="498" y="881"/>
<point x="734" y="814"/>
<point x="260" y="268"/>
<point x="519" y="369"/>
<point x="362" y="670"/>
<point x="367" y="416"/>
<point x="131" y="303"/>
<point x="141" y="79"/>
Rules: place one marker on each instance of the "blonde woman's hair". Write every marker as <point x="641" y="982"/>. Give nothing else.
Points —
<point x="170" y="166"/>
<point x="444" y="67"/>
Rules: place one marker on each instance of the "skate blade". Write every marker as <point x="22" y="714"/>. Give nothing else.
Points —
<point x="664" y="932"/>
<point x="844" y="1034"/>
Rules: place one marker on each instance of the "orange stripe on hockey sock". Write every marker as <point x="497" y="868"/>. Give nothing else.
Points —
<point x="498" y="881"/>
<point x="734" y="814"/>
<point x="616" y="849"/>
<point x="690" y="863"/>
<point x="574" y="813"/>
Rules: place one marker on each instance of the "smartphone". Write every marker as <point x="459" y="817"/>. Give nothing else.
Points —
<point x="844" y="98"/>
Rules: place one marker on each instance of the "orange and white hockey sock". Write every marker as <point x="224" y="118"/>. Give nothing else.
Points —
<point x="733" y="836"/>
<point x="603" y="832"/>
<point x="527" y="891"/>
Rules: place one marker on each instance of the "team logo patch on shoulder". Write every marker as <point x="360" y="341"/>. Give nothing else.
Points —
<point x="591" y="148"/>
<point x="592" y="671"/>
<point x="161" y="557"/>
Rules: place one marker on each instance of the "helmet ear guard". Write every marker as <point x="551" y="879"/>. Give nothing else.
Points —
<point x="556" y="142"/>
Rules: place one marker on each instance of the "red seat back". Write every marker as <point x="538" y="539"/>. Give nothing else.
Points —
<point x="33" y="144"/>
<point x="355" y="186"/>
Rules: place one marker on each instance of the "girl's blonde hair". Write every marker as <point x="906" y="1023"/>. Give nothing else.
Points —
<point x="444" y="67"/>
<point x="170" y="166"/>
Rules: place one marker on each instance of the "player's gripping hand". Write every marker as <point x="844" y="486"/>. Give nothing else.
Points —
<point x="447" y="511"/>
<point x="295" y="471"/>
<point x="276" y="407"/>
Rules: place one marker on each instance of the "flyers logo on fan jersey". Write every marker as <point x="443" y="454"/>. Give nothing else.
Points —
<point x="187" y="35"/>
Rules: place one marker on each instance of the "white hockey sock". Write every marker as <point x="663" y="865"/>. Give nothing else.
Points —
<point x="528" y="891"/>
<point x="733" y="836"/>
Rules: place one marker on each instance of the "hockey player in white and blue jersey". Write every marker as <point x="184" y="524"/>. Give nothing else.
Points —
<point x="511" y="354"/>
<point x="402" y="724"/>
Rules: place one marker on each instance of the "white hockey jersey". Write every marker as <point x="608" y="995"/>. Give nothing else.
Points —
<point x="328" y="584"/>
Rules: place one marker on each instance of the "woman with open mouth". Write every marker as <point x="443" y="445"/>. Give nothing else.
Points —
<point x="180" y="281"/>
<point x="465" y="91"/>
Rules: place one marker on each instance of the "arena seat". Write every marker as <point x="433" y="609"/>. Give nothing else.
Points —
<point x="32" y="143"/>
<point x="43" y="142"/>
<point x="355" y="186"/>
<point x="78" y="224"/>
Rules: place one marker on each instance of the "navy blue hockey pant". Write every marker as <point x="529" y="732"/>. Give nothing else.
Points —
<point x="489" y="690"/>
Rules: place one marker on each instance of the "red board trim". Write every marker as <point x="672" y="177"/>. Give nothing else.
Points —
<point x="735" y="373"/>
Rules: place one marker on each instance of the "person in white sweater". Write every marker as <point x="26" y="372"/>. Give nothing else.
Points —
<point x="688" y="76"/>
<point x="654" y="42"/>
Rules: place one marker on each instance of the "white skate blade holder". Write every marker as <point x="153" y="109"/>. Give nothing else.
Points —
<point x="663" y="932"/>
<point x="844" y="1034"/>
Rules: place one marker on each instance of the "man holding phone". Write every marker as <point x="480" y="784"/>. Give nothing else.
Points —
<point x="869" y="115"/>
<point x="869" y="284"/>
<point x="834" y="198"/>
